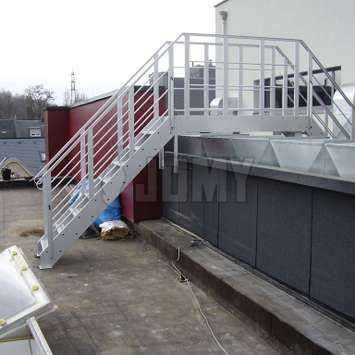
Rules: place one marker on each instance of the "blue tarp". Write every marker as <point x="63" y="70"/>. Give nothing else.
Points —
<point x="111" y="213"/>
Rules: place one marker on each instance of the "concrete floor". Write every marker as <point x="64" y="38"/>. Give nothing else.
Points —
<point x="123" y="297"/>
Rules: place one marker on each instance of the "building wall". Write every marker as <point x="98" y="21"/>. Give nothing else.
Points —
<point x="300" y="235"/>
<point x="327" y="26"/>
<point x="143" y="192"/>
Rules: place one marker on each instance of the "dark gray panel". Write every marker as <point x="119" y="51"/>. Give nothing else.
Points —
<point x="333" y="251"/>
<point x="237" y="227"/>
<point x="172" y="190"/>
<point x="284" y="232"/>
<point x="206" y="183"/>
<point x="190" y="198"/>
<point x="191" y="213"/>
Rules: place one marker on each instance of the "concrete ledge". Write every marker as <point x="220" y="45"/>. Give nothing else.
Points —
<point x="292" y="322"/>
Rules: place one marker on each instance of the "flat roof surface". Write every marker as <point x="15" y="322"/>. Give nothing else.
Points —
<point x="122" y="297"/>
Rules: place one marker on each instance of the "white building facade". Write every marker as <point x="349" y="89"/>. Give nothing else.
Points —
<point x="327" y="26"/>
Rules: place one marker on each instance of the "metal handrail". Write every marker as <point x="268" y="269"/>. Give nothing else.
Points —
<point x="58" y="157"/>
<point x="335" y="84"/>
<point x="335" y="120"/>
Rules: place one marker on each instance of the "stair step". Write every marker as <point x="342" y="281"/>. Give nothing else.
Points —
<point x="59" y="227"/>
<point x="148" y="131"/>
<point x="74" y="211"/>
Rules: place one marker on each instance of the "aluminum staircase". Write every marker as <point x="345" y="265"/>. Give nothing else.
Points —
<point x="138" y="120"/>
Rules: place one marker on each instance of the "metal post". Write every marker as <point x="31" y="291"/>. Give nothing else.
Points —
<point x="39" y="337"/>
<point x="156" y="87"/>
<point x="47" y="211"/>
<point x="296" y="90"/>
<point x="91" y="161"/>
<point x="156" y="103"/>
<point x="206" y="81"/>
<point x="272" y="81"/>
<point x="240" y="74"/>
<point x="187" y="77"/>
<point x="176" y="153"/>
<point x="284" y="88"/>
<point x="82" y="155"/>
<point x="131" y="120"/>
<point x="225" y="77"/>
<point x="262" y="78"/>
<point x="310" y="91"/>
<point x="119" y="126"/>
<point x="171" y="85"/>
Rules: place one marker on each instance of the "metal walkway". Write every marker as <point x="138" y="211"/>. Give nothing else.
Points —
<point x="113" y="146"/>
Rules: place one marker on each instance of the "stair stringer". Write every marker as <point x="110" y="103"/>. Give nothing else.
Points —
<point x="109" y="191"/>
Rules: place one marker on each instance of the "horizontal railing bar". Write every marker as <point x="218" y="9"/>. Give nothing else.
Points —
<point x="253" y="38"/>
<point x="229" y="63"/>
<point x="335" y="84"/>
<point x="118" y="94"/>
<point x="246" y="45"/>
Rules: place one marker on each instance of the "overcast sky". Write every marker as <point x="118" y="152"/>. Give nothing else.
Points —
<point x="104" y="41"/>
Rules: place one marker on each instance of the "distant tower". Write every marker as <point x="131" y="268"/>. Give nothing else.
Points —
<point x="72" y="88"/>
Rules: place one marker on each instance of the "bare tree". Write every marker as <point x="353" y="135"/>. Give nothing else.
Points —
<point x="12" y="105"/>
<point x="79" y="96"/>
<point x="66" y="98"/>
<point x="37" y="100"/>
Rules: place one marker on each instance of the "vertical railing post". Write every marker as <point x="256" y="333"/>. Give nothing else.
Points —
<point x="187" y="77"/>
<point x="171" y="102"/>
<point x="296" y="88"/>
<point x="90" y="138"/>
<point x="285" y="88"/>
<point x="206" y="81"/>
<point x="310" y="92"/>
<point x="131" y="120"/>
<point x="262" y="78"/>
<point x="241" y="77"/>
<point x="47" y="211"/>
<point x="225" y="76"/>
<point x="176" y="153"/>
<point x="156" y="86"/>
<point x="171" y="86"/>
<point x="119" y="126"/>
<point x="82" y="155"/>
<point x="272" y="82"/>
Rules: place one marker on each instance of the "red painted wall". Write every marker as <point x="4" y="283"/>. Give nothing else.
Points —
<point x="142" y="198"/>
<point x="56" y="128"/>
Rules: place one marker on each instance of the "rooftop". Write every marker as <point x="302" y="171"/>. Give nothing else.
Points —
<point x="29" y="151"/>
<point x="122" y="296"/>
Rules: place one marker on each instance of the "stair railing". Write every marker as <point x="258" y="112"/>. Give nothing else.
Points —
<point x="74" y="175"/>
<point x="114" y="132"/>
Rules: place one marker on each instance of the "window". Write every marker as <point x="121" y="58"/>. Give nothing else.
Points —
<point x="35" y="132"/>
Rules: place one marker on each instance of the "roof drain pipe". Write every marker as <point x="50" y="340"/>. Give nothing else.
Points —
<point x="224" y="16"/>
